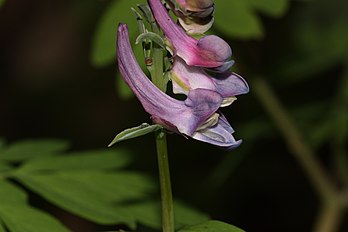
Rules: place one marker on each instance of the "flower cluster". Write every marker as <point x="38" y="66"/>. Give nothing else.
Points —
<point x="198" y="116"/>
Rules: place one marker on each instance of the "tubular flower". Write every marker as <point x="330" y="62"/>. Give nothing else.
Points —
<point x="210" y="51"/>
<point x="195" y="117"/>
<point x="186" y="78"/>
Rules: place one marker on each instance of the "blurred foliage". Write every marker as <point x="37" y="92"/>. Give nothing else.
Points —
<point x="211" y="226"/>
<point x="90" y="184"/>
<point x="239" y="19"/>
<point x="319" y="41"/>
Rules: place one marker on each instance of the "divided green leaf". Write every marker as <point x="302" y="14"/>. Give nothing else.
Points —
<point x="95" y="196"/>
<point x="79" y="161"/>
<point x="18" y="216"/>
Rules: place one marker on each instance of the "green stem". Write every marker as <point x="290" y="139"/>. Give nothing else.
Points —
<point x="156" y="69"/>
<point x="329" y="218"/>
<point x="166" y="189"/>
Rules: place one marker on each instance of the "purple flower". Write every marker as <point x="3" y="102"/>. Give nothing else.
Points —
<point x="196" y="117"/>
<point x="210" y="51"/>
<point x="186" y="78"/>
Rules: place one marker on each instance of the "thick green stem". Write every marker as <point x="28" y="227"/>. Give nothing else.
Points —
<point x="166" y="189"/>
<point x="156" y="69"/>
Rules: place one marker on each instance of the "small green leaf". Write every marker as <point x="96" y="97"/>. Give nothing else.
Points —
<point x="151" y="36"/>
<point x="2" y="2"/>
<point x="236" y="19"/>
<point x="26" y="149"/>
<point x="134" y="132"/>
<point x="211" y="226"/>
<point x="139" y="18"/>
<point x="77" y="161"/>
<point x="147" y="13"/>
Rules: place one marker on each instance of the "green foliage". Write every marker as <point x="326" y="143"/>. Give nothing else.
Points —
<point x="90" y="184"/>
<point x="148" y="214"/>
<point x="134" y="132"/>
<point x="80" y="161"/>
<point x="2" y="229"/>
<point x="32" y="148"/>
<point x="274" y="8"/>
<point x="18" y="216"/>
<point x="1" y="3"/>
<point x="238" y="18"/>
<point x="320" y="40"/>
<point x="211" y="226"/>
<point x="104" y="42"/>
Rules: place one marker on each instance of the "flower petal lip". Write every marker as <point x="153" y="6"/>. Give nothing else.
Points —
<point x="209" y="51"/>
<point x="219" y="135"/>
<point x="185" y="78"/>
<point x="181" y="116"/>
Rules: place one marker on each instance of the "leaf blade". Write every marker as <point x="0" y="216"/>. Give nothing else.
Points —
<point x="23" y="218"/>
<point x="134" y="132"/>
<point x="86" y="195"/>
<point x="211" y="226"/>
<point x="33" y="148"/>
<point x="79" y="161"/>
<point x="19" y="217"/>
